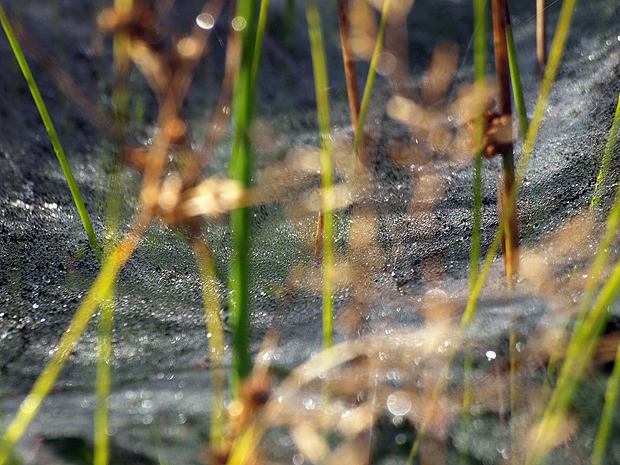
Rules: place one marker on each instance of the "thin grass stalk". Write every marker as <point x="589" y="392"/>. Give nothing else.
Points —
<point x="609" y="410"/>
<point x="106" y="321"/>
<point x="608" y="161"/>
<point x="240" y="170"/>
<point x="501" y="21"/>
<point x="321" y="85"/>
<point x="51" y="131"/>
<point x="215" y="328"/>
<point x="258" y="43"/>
<point x="121" y="44"/>
<point x="515" y="78"/>
<point x="101" y="453"/>
<point x="349" y="61"/>
<point x="502" y="68"/>
<point x="99" y="291"/>
<point x="541" y="35"/>
<point x="480" y="63"/>
<point x="370" y="80"/>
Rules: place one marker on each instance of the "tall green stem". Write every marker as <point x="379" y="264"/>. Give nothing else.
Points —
<point x="51" y="131"/>
<point x="370" y="81"/>
<point x="321" y="85"/>
<point x="480" y="63"/>
<point x="240" y="170"/>
<point x="609" y="157"/>
<point x="211" y="303"/>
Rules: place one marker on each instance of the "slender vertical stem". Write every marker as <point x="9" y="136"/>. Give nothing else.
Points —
<point x="541" y="35"/>
<point x="370" y="81"/>
<point x="215" y="336"/>
<point x="609" y="411"/>
<point x="502" y="67"/>
<point x="240" y="170"/>
<point x="609" y="159"/>
<point x="480" y="58"/>
<point x="121" y="44"/>
<point x="321" y="85"/>
<point x="515" y="78"/>
<point x="349" y="61"/>
<point x="480" y="63"/>
<point x="509" y="213"/>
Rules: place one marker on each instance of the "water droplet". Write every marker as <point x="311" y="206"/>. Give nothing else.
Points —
<point x="238" y="23"/>
<point x="205" y="21"/>
<point x="399" y="403"/>
<point x="491" y="355"/>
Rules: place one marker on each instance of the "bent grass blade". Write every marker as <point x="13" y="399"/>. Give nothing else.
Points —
<point x="51" y="131"/>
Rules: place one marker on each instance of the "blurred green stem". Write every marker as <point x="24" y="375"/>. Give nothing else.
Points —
<point x="370" y="80"/>
<point x="321" y="85"/>
<point x="610" y="159"/>
<point x="480" y="63"/>
<point x="51" y="131"/>
<point x="215" y="336"/>
<point x="609" y="410"/>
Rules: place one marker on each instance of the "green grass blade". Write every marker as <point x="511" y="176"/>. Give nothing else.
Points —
<point x="480" y="63"/>
<point x="609" y="411"/>
<point x="321" y="85"/>
<point x="240" y="170"/>
<point x="610" y="159"/>
<point x="98" y="292"/>
<point x="51" y="131"/>
<point x="370" y="80"/>
<point x="106" y="323"/>
<point x="215" y="328"/>
<point x="104" y="363"/>
<point x="515" y="78"/>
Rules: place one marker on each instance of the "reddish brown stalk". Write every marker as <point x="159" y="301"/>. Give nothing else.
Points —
<point x="541" y="35"/>
<point x="510" y="242"/>
<point x="349" y="61"/>
<point x="318" y="247"/>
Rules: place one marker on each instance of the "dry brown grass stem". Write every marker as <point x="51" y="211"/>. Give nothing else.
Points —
<point x="510" y="244"/>
<point x="541" y="35"/>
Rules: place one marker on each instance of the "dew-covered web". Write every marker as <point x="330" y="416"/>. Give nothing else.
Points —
<point x="402" y="243"/>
